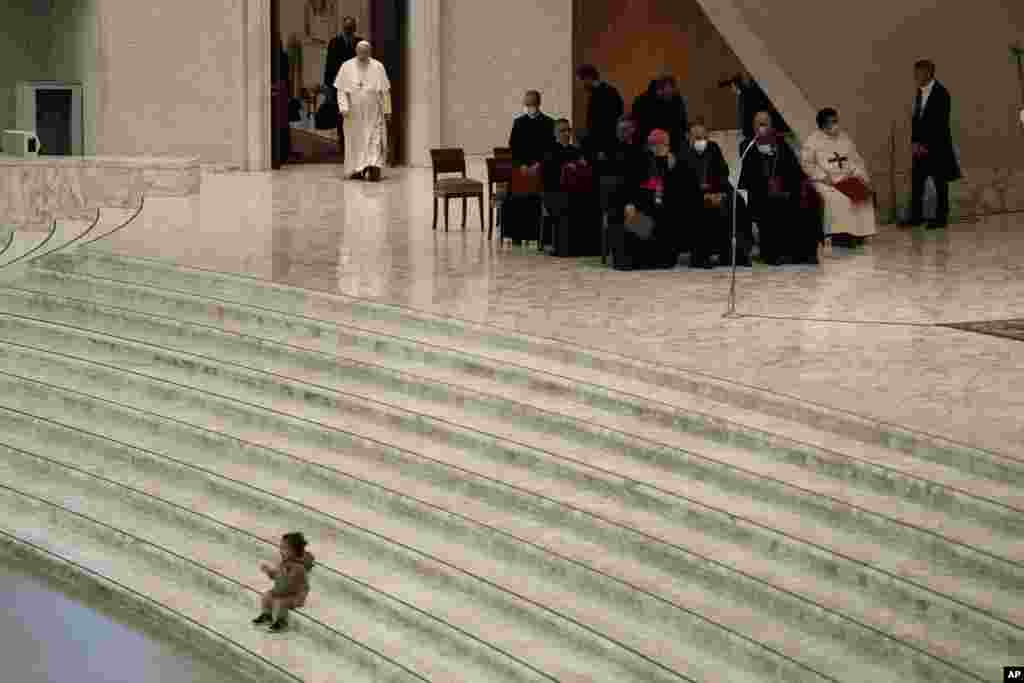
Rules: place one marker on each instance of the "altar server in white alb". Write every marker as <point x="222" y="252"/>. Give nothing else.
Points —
<point x="364" y="100"/>
<point x="840" y="176"/>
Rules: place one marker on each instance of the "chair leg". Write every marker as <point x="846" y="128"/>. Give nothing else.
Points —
<point x="480" y="204"/>
<point x="464" y="204"/>
<point x="490" y="218"/>
<point x="435" y="212"/>
<point x="446" y="203"/>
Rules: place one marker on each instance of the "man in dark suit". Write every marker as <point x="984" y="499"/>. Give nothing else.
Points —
<point x="604" y="109"/>
<point x="341" y="49"/>
<point x="932" y="145"/>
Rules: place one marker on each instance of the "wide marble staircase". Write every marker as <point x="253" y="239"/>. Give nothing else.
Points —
<point x="484" y="505"/>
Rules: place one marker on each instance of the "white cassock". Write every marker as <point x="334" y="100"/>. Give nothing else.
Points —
<point x="364" y="96"/>
<point x="825" y="157"/>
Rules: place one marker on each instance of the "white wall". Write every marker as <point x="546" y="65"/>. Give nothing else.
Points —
<point x="72" y="56"/>
<point x="491" y="52"/>
<point x="170" y="79"/>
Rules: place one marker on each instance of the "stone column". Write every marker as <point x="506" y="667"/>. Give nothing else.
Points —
<point x="423" y="80"/>
<point x="256" y="57"/>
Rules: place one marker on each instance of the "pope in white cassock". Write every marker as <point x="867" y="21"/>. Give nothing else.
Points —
<point x="364" y="100"/>
<point x="829" y="158"/>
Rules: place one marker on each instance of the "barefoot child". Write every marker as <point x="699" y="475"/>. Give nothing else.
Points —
<point x="291" y="583"/>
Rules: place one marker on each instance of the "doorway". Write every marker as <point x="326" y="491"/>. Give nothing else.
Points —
<point x="301" y="30"/>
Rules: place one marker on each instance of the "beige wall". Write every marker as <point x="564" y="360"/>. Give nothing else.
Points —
<point x="72" y="57"/>
<point x="493" y="51"/>
<point x="170" y="79"/>
<point x="25" y="40"/>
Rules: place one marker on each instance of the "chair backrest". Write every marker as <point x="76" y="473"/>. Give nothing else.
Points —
<point x="448" y="160"/>
<point x="499" y="171"/>
<point x="502" y="152"/>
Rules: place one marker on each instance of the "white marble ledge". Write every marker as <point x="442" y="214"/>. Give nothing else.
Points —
<point x="78" y="161"/>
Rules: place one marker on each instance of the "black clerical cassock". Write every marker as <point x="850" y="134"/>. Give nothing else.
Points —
<point x="668" y="192"/>
<point x="774" y="180"/>
<point x="532" y="138"/>
<point x="571" y="198"/>
<point x="712" y="234"/>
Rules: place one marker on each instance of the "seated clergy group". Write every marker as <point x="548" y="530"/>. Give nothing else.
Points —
<point x="648" y="186"/>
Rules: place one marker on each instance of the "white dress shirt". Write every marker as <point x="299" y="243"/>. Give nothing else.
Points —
<point x="926" y="91"/>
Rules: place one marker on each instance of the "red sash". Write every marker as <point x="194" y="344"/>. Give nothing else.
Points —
<point x="655" y="184"/>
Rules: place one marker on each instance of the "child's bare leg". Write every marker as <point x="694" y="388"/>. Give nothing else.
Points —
<point x="266" y="603"/>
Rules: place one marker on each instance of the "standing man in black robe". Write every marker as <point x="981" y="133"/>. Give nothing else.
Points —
<point x="662" y="108"/>
<point x="604" y="109"/>
<point x="932" y="146"/>
<point x="341" y="49"/>
<point x="712" y="234"/>
<point x="533" y="136"/>
<point x="773" y="179"/>
<point x="751" y="99"/>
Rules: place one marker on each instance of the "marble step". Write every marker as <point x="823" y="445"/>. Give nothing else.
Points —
<point x="270" y="341"/>
<point x="26" y="245"/>
<point x="770" y="411"/>
<point x="205" y="409"/>
<point x="230" y="529"/>
<point x="959" y="545"/>
<point x="663" y="637"/>
<point x="973" y="642"/>
<point x="202" y="598"/>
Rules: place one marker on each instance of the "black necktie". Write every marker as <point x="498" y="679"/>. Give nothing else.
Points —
<point x="917" y="103"/>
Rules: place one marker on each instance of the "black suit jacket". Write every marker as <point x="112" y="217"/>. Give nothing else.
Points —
<point x="604" y="110"/>
<point x="338" y="52"/>
<point x="932" y="129"/>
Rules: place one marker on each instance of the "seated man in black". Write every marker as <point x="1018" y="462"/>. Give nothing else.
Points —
<point x="773" y="179"/>
<point x="533" y="135"/>
<point x="712" y="234"/>
<point x="662" y="197"/>
<point x="569" y="196"/>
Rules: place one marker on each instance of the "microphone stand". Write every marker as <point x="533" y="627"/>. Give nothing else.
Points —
<point x="731" y="313"/>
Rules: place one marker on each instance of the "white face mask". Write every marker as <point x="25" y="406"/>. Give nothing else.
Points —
<point x="766" y="149"/>
<point x="700" y="145"/>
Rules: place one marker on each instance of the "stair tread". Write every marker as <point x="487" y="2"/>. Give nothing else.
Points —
<point x="350" y="617"/>
<point x="689" y="538"/>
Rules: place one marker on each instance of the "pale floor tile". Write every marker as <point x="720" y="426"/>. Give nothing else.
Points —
<point x="307" y="227"/>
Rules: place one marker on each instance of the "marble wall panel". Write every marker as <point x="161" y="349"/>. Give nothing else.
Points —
<point x="33" y="194"/>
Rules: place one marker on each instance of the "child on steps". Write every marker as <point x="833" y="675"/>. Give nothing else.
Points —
<point x="291" y="582"/>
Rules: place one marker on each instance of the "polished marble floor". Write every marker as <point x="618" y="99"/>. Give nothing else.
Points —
<point x="306" y="226"/>
<point x="49" y="637"/>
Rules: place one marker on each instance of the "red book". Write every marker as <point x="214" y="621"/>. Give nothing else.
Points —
<point x="855" y="189"/>
<point x="525" y="183"/>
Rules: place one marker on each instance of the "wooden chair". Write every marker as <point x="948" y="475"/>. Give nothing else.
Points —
<point x="450" y="161"/>
<point x="502" y="152"/>
<point x="499" y="175"/>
